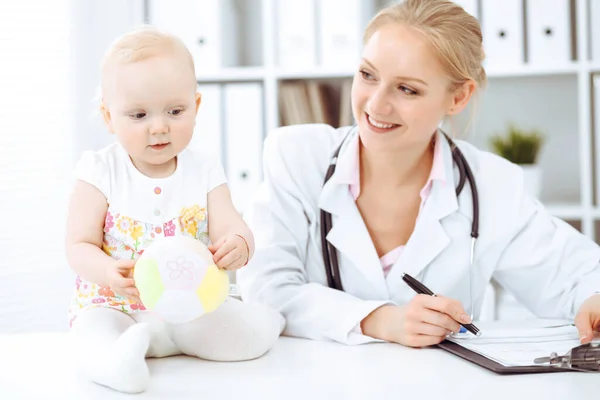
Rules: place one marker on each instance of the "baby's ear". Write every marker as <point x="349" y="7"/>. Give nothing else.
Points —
<point x="198" y="100"/>
<point x="106" y="116"/>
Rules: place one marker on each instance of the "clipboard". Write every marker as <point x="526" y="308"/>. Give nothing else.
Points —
<point x="498" y="368"/>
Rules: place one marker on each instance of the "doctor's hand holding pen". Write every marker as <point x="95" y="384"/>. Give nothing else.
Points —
<point x="424" y="321"/>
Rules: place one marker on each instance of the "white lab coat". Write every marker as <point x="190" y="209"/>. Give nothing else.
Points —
<point x="549" y="266"/>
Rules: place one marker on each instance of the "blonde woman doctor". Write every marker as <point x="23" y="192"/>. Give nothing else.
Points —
<point x="394" y="206"/>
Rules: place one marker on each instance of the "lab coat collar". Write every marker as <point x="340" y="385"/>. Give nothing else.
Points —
<point x="429" y="237"/>
<point x="443" y="199"/>
<point x="349" y="234"/>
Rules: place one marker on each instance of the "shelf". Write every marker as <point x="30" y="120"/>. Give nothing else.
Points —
<point x="594" y="67"/>
<point x="232" y="74"/>
<point x="240" y="74"/>
<point x="517" y="71"/>
<point x="555" y="97"/>
<point x="315" y="73"/>
<point x="565" y="211"/>
<point x="531" y="70"/>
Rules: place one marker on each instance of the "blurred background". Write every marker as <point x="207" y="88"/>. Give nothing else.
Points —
<point x="261" y="64"/>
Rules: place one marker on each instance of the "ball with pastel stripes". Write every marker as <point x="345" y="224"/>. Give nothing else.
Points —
<point x="178" y="280"/>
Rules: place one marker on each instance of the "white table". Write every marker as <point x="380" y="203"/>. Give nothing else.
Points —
<point x="40" y="366"/>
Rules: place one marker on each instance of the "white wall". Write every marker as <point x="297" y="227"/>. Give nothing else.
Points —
<point x="548" y="103"/>
<point x="48" y="118"/>
<point x="96" y="23"/>
<point x="35" y="145"/>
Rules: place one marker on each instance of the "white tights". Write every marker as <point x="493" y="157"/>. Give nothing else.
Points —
<point x="112" y="346"/>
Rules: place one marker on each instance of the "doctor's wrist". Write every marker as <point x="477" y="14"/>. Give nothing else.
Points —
<point x="376" y="324"/>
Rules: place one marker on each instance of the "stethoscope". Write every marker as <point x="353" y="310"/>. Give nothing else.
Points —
<point x="330" y="258"/>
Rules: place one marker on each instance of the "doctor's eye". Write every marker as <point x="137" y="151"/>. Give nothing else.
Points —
<point x="407" y="90"/>
<point x="366" y="75"/>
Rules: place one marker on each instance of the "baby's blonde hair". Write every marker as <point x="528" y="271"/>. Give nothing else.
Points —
<point x="454" y="34"/>
<point x="141" y="44"/>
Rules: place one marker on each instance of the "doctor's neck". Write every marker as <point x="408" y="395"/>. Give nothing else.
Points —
<point x="394" y="169"/>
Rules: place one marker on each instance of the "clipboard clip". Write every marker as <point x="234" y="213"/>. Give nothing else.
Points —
<point x="235" y="292"/>
<point x="581" y="358"/>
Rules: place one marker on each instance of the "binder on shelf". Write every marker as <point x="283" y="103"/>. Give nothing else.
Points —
<point x="596" y="130"/>
<point x="306" y="102"/>
<point x="250" y="36"/>
<point x="345" y="117"/>
<point x="209" y="28"/>
<point x="594" y="27"/>
<point x="470" y="6"/>
<point x="208" y="132"/>
<point x="341" y="23"/>
<point x="296" y="33"/>
<point x="289" y="106"/>
<point x="503" y="33"/>
<point x="318" y="100"/>
<point x="548" y="31"/>
<point x="243" y="121"/>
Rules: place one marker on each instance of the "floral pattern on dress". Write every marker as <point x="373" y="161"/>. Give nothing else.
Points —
<point x="169" y="228"/>
<point x="126" y="238"/>
<point x="194" y="222"/>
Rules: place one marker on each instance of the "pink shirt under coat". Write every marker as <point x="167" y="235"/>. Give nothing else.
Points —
<point x="351" y="176"/>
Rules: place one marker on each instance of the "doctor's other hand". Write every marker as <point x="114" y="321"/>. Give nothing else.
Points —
<point x="587" y="319"/>
<point x="424" y="321"/>
<point x="231" y="252"/>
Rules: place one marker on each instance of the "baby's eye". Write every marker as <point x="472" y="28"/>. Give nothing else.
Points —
<point x="138" y="115"/>
<point x="177" y="111"/>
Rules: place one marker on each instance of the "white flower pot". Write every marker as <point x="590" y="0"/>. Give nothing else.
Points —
<point x="532" y="176"/>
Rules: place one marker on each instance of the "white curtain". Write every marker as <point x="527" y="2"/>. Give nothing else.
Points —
<point x="35" y="162"/>
<point x="50" y="53"/>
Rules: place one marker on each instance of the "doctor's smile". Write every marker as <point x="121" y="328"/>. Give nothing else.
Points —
<point x="379" y="126"/>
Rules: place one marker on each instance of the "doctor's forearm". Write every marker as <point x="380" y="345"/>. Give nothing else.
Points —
<point x="311" y="310"/>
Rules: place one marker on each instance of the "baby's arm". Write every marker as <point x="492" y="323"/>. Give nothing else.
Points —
<point x="85" y="230"/>
<point x="233" y="242"/>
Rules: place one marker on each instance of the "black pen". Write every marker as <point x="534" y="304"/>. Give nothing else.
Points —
<point x="422" y="289"/>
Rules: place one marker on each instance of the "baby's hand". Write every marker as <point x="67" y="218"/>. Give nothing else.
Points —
<point x="231" y="252"/>
<point x="120" y="279"/>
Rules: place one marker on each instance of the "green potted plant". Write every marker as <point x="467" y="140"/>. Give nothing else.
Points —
<point x="522" y="147"/>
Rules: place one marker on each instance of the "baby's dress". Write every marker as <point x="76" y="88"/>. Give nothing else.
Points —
<point x="141" y="209"/>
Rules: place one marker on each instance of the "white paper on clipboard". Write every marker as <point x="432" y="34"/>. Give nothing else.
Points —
<point x="520" y="345"/>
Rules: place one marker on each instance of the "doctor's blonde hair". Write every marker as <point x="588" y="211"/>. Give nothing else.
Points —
<point x="139" y="45"/>
<point x="454" y="35"/>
